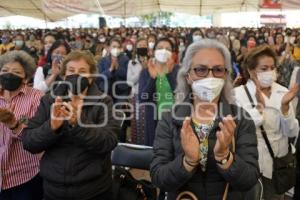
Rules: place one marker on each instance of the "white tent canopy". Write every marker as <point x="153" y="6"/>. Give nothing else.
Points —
<point x="54" y="10"/>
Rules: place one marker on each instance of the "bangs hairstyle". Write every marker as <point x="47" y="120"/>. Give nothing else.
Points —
<point x="25" y="60"/>
<point x="164" y="39"/>
<point x="56" y="45"/>
<point x="251" y="59"/>
<point x="80" y="55"/>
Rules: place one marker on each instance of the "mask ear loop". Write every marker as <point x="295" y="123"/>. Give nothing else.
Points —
<point x="192" y="81"/>
<point x="189" y="76"/>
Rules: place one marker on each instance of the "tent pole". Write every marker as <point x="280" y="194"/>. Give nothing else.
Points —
<point x="200" y="8"/>
<point x="124" y="14"/>
<point x="45" y="19"/>
<point x="159" y="19"/>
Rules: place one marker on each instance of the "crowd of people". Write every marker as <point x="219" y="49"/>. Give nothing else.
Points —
<point x="202" y="97"/>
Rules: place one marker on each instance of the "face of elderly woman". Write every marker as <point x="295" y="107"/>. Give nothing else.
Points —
<point x="78" y="71"/>
<point x="207" y="74"/>
<point x="80" y="67"/>
<point x="207" y="63"/>
<point x="12" y="75"/>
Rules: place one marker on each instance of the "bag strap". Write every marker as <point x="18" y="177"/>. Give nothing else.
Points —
<point x="187" y="193"/>
<point x="263" y="131"/>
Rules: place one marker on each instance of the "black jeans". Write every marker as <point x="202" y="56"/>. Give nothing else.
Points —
<point x="31" y="190"/>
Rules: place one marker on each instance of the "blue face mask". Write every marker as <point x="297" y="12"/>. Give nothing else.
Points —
<point x="19" y="43"/>
<point x="57" y="58"/>
<point x="5" y="40"/>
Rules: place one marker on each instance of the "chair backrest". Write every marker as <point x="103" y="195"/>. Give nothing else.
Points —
<point x="133" y="156"/>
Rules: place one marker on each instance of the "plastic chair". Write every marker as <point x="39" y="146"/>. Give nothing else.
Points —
<point x="133" y="156"/>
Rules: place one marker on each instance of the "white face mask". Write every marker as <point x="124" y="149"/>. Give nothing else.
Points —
<point x="162" y="55"/>
<point x="266" y="79"/>
<point x="197" y="38"/>
<point x="115" y="52"/>
<point x="208" y="89"/>
<point x="232" y="37"/>
<point x="129" y="47"/>
<point x="102" y="39"/>
<point x="151" y="45"/>
<point x="292" y="40"/>
<point x="181" y="46"/>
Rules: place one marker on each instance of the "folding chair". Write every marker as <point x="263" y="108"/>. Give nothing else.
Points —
<point x="125" y="185"/>
<point x="133" y="156"/>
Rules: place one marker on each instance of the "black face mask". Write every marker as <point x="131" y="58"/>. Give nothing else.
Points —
<point x="10" y="81"/>
<point x="74" y="80"/>
<point x="142" y="51"/>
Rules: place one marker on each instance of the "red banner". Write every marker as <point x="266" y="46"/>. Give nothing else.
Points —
<point x="271" y="4"/>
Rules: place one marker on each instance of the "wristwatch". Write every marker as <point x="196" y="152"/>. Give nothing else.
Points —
<point x="225" y="160"/>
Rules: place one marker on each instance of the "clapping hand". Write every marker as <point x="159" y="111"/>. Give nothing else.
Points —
<point x="224" y="137"/>
<point x="189" y="141"/>
<point x="287" y="98"/>
<point x="7" y="116"/>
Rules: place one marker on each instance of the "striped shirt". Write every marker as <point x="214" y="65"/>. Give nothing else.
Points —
<point x="18" y="166"/>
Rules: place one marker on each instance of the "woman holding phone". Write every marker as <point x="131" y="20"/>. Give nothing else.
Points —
<point x="49" y="73"/>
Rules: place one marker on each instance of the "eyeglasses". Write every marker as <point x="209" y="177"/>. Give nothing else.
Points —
<point x="217" y="71"/>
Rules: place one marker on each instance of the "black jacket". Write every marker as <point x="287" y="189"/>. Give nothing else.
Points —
<point x="77" y="161"/>
<point x="167" y="170"/>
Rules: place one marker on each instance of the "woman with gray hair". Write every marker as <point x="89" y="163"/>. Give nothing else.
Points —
<point x="19" y="168"/>
<point x="200" y="146"/>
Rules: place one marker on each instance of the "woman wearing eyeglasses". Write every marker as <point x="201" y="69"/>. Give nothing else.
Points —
<point x="272" y="110"/>
<point x="193" y="148"/>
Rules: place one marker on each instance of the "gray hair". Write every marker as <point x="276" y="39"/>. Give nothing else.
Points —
<point x="25" y="60"/>
<point x="183" y="89"/>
